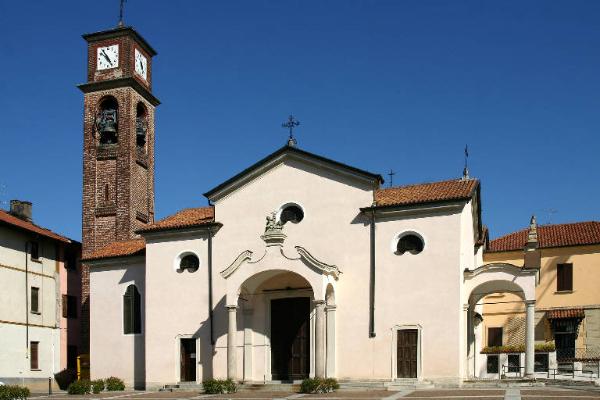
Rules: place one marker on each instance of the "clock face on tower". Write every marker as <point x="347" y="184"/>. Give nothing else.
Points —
<point x="108" y="57"/>
<point x="141" y="64"/>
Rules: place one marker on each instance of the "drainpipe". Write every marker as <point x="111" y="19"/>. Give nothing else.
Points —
<point x="372" y="279"/>
<point x="210" y="289"/>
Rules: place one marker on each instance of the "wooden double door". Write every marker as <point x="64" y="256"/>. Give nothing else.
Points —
<point x="406" y="364"/>
<point x="290" y="338"/>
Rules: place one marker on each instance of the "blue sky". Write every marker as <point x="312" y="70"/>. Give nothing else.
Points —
<point x="376" y="84"/>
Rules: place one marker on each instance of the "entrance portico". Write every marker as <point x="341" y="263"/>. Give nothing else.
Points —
<point x="498" y="278"/>
<point x="257" y="286"/>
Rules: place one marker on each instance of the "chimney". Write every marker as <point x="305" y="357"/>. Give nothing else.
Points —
<point x="21" y="209"/>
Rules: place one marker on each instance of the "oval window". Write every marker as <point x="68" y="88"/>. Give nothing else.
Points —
<point x="189" y="262"/>
<point x="409" y="243"/>
<point x="292" y="213"/>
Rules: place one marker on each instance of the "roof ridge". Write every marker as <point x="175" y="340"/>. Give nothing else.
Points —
<point x="546" y="226"/>
<point x="59" y="235"/>
<point x="429" y="183"/>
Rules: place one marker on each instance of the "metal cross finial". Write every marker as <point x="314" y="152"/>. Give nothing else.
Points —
<point x="391" y="175"/>
<point x="466" y="169"/>
<point x="290" y="124"/>
<point x="122" y="6"/>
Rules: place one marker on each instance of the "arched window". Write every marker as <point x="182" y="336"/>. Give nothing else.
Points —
<point x="132" y="312"/>
<point x="107" y="121"/>
<point x="411" y="243"/>
<point x="141" y="125"/>
<point x="292" y="213"/>
<point x="189" y="262"/>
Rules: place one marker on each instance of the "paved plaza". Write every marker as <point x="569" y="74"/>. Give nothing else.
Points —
<point x="543" y="393"/>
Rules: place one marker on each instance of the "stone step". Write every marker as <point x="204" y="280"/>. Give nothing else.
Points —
<point x="409" y="384"/>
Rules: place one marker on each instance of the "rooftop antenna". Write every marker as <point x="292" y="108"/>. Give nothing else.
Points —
<point x="466" y="168"/>
<point x="290" y="124"/>
<point x="550" y="212"/>
<point x="391" y="175"/>
<point x="122" y="6"/>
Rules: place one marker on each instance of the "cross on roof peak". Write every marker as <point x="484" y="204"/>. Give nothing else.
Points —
<point x="290" y="124"/>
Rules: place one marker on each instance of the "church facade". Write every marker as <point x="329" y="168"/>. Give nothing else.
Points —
<point x="300" y="266"/>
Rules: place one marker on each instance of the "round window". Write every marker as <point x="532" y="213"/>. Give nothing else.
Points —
<point x="189" y="262"/>
<point x="409" y="243"/>
<point x="292" y="213"/>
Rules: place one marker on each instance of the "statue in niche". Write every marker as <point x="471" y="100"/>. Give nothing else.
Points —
<point x="106" y="124"/>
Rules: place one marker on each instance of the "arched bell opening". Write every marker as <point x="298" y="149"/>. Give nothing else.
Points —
<point x="141" y="126"/>
<point x="107" y="123"/>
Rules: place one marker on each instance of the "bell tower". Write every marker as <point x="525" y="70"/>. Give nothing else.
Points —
<point x="118" y="137"/>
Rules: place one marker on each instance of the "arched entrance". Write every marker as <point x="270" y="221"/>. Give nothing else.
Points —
<point x="270" y="292"/>
<point x="489" y="279"/>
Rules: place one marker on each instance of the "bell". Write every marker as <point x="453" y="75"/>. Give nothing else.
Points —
<point x="107" y="126"/>
<point x="140" y="132"/>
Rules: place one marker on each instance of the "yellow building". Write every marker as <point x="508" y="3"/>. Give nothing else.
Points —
<point x="567" y="297"/>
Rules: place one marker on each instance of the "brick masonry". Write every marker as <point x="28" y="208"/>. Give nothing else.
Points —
<point x="118" y="180"/>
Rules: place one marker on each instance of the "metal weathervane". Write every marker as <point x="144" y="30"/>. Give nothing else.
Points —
<point x="466" y="169"/>
<point x="290" y="124"/>
<point x="122" y="6"/>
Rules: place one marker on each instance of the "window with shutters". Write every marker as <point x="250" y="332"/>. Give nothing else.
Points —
<point x="34" y="355"/>
<point x="564" y="277"/>
<point x="69" y="306"/>
<point x="132" y="315"/>
<point x="35" y="300"/>
<point x="494" y="337"/>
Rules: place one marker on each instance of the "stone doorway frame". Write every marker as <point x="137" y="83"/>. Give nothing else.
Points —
<point x="394" y="350"/>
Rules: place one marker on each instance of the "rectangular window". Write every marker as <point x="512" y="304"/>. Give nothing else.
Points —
<point x="492" y="364"/>
<point x="494" y="337"/>
<point x="34" y="355"/>
<point x="564" y="277"/>
<point x="69" y="306"/>
<point x="541" y="362"/>
<point x="72" y="357"/>
<point x="34" y="250"/>
<point x="35" y="299"/>
<point x="514" y="363"/>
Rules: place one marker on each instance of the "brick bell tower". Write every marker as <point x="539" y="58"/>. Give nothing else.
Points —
<point x="118" y="143"/>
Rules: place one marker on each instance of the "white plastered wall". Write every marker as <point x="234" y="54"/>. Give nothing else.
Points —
<point x="113" y="353"/>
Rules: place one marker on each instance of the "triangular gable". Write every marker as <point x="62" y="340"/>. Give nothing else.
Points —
<point x="279" y="156"/>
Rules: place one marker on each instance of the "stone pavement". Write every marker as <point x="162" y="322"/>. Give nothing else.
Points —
<point x="541" y="393"/>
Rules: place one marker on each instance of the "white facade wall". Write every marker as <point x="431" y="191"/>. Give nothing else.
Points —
<point x="421" y="291"/>
<point x="15" y="315"/>
<point x="113" y="353"/>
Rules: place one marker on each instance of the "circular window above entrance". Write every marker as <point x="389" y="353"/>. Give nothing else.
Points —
<point x="291" y="212"/>
<point x="408" y="242"/>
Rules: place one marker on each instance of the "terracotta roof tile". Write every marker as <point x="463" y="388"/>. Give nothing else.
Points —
<point x="456" y="189"/>
<point x="10" y="219"/>
<point x="566" y="313"/>
<point x="186" y="218"/>
<point x="574" y="234"/>
<point x="118" y="249"/>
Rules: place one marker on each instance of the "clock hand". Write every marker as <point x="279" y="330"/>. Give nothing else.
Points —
<point x="107" y="57"/>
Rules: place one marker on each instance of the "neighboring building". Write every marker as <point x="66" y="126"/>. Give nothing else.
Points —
<point x="301" y="266"/>
<point x="40" y="285"/>
<point x="567" y="297"/>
